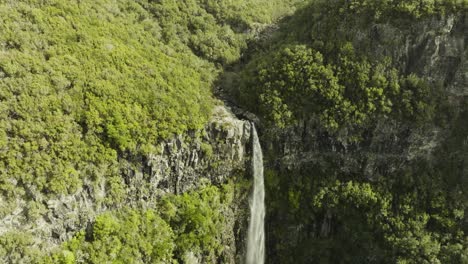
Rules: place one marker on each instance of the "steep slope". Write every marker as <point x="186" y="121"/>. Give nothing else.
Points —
<point x="363" y="107"/>
<point x="112" y="147"/>
<point x="106" y="104"/>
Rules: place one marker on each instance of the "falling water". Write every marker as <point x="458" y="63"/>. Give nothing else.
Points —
<point x="256" y="235"/>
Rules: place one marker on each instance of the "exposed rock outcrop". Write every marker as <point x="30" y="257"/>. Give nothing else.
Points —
<point x="434" y="49"/>
<point x="186" y="162"/>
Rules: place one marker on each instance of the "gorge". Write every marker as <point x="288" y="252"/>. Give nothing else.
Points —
<point x="234" y="131"/>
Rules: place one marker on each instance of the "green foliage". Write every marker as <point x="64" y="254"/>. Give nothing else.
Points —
<point x="207" y="149"/>
<point x="403" y="232"/>
<point x="76" y="90"/>
<point x="398" y="8"/>
<point x="415" y="214"/>
<point x="198" y="219"/>
<point x="294" y="83"/>
<point x="85" y="82"/>
<point x="214" y="30"/>
<point x="126" y="236"/>
<point x="291" y="83"/>
<point x="18" y="247"/>
<point x="193" y="222"/>
<point x="417" y="101"/>
<point x="325" y="209"/>
<point x="311" y="68"/>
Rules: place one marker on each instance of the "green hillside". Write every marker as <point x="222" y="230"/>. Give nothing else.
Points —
<point x="82" y="82"/>
<point x="85" y="85"/>
<point x="365" y="143"/>
<point x="354" y="99"/>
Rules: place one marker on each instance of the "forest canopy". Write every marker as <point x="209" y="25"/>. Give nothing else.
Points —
<point x="89" y="86"/>
<point x="83" y="82"/>
<point x="334" y="80"/>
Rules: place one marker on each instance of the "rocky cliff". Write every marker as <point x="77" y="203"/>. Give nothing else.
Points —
<point x="214" y="155"/>
<point x="433" y="48"/>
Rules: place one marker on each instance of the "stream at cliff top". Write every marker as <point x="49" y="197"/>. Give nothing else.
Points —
<point x="256" y="232"/>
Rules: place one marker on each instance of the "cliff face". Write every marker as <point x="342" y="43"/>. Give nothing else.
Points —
<point x="214" y="155"/>
<point x="434" y="49"/>
<point x="189" y="161"/>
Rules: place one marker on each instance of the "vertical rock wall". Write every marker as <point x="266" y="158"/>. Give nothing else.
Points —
<point x="186" y="162"/>
<point x="434" y="49"/>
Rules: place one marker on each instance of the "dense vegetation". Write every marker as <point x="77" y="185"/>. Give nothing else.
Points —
<point x="85" y="85"/>
<point x="181" y="227"/>
<point x="295" y="83"/>
<point x="84" y="82"/>
<point x="311" y="75"/>
<point x="177" y="229"/>
<point x="311" y="67"/>
<point x="413" y="215"/>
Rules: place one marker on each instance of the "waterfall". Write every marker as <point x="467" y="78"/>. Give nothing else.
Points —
<point x="256" y="232"/>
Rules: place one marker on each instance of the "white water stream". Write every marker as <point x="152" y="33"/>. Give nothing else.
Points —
<point x="256" y="232"/>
